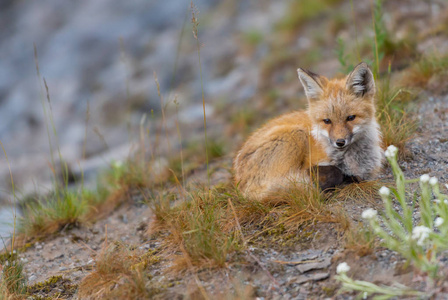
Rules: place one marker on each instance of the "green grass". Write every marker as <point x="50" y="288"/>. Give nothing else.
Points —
<point x="63" y="209"/>
<point x="253" y="37"/>
<point x="52" y="213"/>
<point x="394" y="112"/>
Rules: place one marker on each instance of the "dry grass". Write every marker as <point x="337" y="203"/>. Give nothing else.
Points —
<point x="305" y="205"/>
<point x="361" y="242"/>
<point x="196" y="228"/>
<point x="397" y="122"/>
<point x="365" y="191"/>
<point x="12" y="279"/>
<point x="120" y="273"/>
<point x="211" y="224"/>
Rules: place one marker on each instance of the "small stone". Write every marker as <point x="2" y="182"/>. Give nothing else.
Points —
<point x="312" y="277"/>
<point x="124" y="218"/>
<point x="314" y="266"/>
<point x="66" y="241"/>
<point x="62" y="268"/>
<point x="32" y="278"/>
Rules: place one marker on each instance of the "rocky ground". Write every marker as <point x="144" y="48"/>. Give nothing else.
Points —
<point x="301" y="271"/>
<point x="248" y="80"/>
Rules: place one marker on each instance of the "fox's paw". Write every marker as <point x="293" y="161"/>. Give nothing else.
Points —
<point x="328" y="176"/>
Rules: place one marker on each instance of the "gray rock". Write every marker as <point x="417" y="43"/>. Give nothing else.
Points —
<point x="311" y="277"/>
<point x="325" y="263"/>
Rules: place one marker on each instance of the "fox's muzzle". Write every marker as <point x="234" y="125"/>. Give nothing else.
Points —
<point x="342" y="143"/>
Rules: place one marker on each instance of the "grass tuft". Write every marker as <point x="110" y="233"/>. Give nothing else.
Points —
<point x="214" y="223"/>
<point x="12" y="279"/>
<point x="365" y="191"/>
<point x="430" y="71"/>
<point x="70" y="208"/>
<point x="359" y="241"/>
<point x="47" y="216"/>
<point x="397" y="122"/>
<point x="120" y="273"/>
<point x="196" y="228"/>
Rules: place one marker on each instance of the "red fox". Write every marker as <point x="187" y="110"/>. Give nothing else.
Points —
<point x="339" y="129"/>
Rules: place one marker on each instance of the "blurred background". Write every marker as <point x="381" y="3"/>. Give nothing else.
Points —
<point x="92" y="71"/>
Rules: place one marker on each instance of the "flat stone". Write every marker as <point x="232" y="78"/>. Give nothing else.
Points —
<point x="312" y="277"/>
<point x="315" y="265"/>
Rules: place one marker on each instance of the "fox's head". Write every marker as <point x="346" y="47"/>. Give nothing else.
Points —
<point x="341" y="110"/>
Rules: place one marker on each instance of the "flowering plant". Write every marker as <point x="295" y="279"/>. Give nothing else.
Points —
<point x="418" y="242"/>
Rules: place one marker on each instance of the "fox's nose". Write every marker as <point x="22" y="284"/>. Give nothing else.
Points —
<point x="340" y="143"/>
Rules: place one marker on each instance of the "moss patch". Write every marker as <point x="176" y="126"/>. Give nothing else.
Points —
<point x="54" y="287"/>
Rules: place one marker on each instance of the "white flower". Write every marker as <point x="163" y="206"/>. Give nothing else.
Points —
<point x="384" y="191"/>
<point x="420" y="233"/>
<point x="438" y="222"/>
<point x="369" y="214"/>
<point x="424" y="178"/>
<point x="433" y="181"/>
<point x="342" y="268"/>
<point x="391" y="151"/>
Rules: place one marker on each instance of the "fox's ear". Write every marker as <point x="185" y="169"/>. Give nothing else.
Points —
<point x="312" y="83"/>
<point x="360" y="81"/>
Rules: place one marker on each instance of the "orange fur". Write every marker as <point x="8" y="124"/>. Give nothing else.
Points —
<point x="284" y="149"/>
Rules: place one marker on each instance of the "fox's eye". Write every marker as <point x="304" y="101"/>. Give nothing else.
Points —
<point x="351" y="118"/>
<point x="327" y="121"/>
